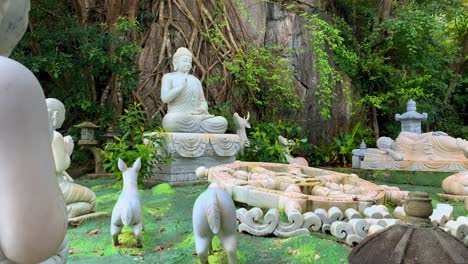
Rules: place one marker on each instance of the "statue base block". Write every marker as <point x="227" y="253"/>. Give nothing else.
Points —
<point x="190" y="151"/>
<point x="448" y="166"/>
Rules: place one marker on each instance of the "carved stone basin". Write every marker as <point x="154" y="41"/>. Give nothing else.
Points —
<point x="273" y="185"/>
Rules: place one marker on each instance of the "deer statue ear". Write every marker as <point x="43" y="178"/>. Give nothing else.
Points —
<point x="122" y="165"/>
<point x="137" y="164"/>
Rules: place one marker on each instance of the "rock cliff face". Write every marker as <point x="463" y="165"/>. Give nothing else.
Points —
<point x="179" y="22"/>
<point x="272" y="24"/>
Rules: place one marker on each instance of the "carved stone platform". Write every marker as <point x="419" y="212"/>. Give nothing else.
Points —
<point x="415" y="165"/>
<point x="190" y="151"/>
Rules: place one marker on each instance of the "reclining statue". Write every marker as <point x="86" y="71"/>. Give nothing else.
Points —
<point x="79" y="199"/>
<point x="433" y="151"/>
<point x="186" y="104"/>
<point x="427" y="146"/>
<point x="33" y="220"/>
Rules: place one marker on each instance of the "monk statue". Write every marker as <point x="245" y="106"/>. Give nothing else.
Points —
<point x="79" y="199"/>
<point x="186" y="103"/>
<point x="33" y="220"/>
<point x="427" y="146"/>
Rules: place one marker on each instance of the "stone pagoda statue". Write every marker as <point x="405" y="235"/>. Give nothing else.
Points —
<point x="411" y="120"/>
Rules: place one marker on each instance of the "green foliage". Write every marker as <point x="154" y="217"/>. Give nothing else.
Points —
<point x="74" y="62"/>
<point x="264" y="146"/>
<point x="408" y="56"/>
<point x="130" y="146"/>
<point x="339" y="152"/>
<point x="265" y="79"/>
<point x="325" y="37"/>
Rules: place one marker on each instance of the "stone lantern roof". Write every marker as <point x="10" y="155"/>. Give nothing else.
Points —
<point x="87" y="124"/>
<point x="414" y="243"/>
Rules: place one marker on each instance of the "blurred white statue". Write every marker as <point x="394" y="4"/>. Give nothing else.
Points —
<point x="33" y="220"/>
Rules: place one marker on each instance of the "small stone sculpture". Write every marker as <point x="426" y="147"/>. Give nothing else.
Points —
<point x="456" y="187"/>
<point x="241" y="124"/>
<point x="214" y="213"/>
<point x="79" y="199"/>
<point x="187" y="109"/>
<point x="291" y="160"/>
<point x="411" y="120"/>
<point x="127" y="210"/>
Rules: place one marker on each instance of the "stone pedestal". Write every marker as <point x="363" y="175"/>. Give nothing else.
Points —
<point x="190" y="151"/>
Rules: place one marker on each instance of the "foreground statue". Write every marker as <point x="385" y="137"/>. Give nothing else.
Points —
<point x="186" y="104"/>
<point x="413" y="151"/>
<point x="79" y="199"/>
<point x="214" y="214"/>
<point x="33" y="220"/>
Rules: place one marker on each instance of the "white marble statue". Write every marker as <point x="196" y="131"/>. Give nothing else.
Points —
<point x="33" y="220"/>
<point x="426" y="146"/>
<point x="456" y="184"/>
<point x="285" y="143"/>
<point x="13" y="23"/>
<point x="187" y="107"/>
<point x="127" y="211"/>
<point x="241" y="124"/>
<point x="213" y="214"/>
<point x="79" y="199"/>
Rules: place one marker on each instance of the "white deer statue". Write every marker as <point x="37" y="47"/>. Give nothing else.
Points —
<point x="241" y="124"/>
<point x="214" y="213"/>
<point x="285" y="143"/>
<point x="127" y="210"/>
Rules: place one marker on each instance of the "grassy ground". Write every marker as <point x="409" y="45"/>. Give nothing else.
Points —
<point x="168" y="236"/>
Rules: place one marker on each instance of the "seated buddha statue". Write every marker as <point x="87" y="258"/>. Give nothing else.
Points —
<point x="79" y="199"/>
<point x="186" y="103"/>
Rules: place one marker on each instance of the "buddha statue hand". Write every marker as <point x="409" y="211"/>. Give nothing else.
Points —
<point x="69" y="145"/>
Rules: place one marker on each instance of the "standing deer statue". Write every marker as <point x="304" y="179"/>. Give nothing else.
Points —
<point x="213" y="214"/>
<point x="242" y="123"/>
<point x="127" y="210"/>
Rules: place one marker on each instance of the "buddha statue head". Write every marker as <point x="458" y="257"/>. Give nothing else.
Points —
<point x="13" y="23"/>
<point x="384" y="143"/>
<point x="182" y="60"/>
<point x="56" y="111"/>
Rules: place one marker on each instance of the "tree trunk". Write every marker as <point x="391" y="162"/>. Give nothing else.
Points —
<point x="385" y="9"/>
<point x="375" y="122"/>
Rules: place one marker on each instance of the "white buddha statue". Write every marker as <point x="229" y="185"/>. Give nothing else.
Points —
<point x="79" y="199"/>
<point x="431" y="146"/>
<point x="33" y="220"/>
<point x="187" y="107"/>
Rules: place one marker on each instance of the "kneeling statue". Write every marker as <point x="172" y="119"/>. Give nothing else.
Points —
<point x="79" y="199"/>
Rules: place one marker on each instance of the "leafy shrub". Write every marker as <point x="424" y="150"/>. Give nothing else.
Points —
<point x="265" y="79"/>
<point x="339" y="152"/>
<point x="131" y="146"/>
<point x="264" y="146"/>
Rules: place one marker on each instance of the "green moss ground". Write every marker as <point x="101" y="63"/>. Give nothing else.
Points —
<point x="168" y="236"/>
<point x="167" y="220"/>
